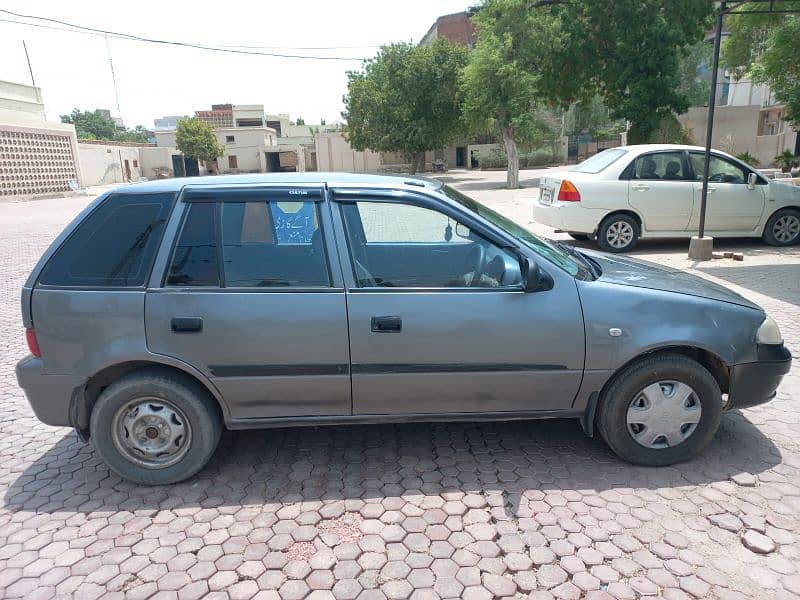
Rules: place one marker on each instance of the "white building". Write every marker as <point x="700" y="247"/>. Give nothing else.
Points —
<point x="37" y="157"/>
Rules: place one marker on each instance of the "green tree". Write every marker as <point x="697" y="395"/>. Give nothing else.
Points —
<point x="631" y="52"/>
<point x="503" y="79"/>
<point x="300" y="121"/>
<point x="91" y="125"/>
<point x="138" y="134"/>
<point x="196" y="139"/>
<point x="406" y="100"/>
<point x="766" y="48"/>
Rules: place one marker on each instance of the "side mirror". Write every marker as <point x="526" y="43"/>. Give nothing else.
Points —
<point x="533" y="278"/>
<point x="752" y="179"/>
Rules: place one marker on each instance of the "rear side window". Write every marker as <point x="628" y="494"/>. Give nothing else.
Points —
<point x="115" y="244"/>
<point x="264" y="244"/>
<point x="195" y="260"/>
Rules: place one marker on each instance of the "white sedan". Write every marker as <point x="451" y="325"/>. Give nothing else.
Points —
<point x="629" y="193"/>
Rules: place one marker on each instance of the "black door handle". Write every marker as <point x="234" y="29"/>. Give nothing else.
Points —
<point x="186" y="324"/>
<point x="387" y="324"/>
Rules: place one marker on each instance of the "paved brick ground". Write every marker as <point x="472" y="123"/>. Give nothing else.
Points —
<point x="423" y="511"/>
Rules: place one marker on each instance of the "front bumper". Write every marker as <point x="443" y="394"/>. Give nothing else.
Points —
<point x="756" y="382"/>
<point x="49" y="395"/>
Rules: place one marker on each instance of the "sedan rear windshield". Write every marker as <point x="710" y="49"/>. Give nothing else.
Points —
<point x="599" y="161"/>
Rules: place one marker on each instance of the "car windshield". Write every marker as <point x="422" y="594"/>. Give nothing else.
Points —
<point x="599" y="161"/>
<point x="539" y="245"/>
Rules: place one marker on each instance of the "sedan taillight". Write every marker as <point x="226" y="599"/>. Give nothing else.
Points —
<point x="33" y="343"/>
<point x="568" y="192"/>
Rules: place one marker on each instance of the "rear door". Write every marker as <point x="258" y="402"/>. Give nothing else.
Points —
<point x="252" y="297"/>
<point x="732" y="205"/>
<point x="660" y="190"/>
<point x="438" y="319"/>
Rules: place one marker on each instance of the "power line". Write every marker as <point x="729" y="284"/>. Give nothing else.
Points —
<point x="231" y="50"/>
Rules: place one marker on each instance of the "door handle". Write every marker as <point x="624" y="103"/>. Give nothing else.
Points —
<point x="186" y="324"/>
<point x="711" y="190"/>
<point x="387" y="324"/>
<point x="640" y="187"/>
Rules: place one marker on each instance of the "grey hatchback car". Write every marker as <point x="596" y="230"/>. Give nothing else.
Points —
<point x="171" y="309"/>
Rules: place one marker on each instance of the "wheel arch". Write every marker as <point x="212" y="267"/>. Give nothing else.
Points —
<point x="624" y="211"/>
<point x="794" y="207"/>
<point x="712" y="363"/>
<point x="83" y="403"/>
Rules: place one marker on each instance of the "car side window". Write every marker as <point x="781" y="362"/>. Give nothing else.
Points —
<point x="720" y="170"/>
<point x="273" y="244"/>
<point x="264" y="244"/>
<point x="195" y="261"/>
<point x="114" y="246"/>
<point x="402" y="245"/>
<point x="667" y="166"/>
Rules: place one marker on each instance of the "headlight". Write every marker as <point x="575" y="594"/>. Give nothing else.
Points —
<point x="769" y="333"/>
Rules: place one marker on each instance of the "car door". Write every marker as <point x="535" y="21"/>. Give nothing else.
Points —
<point x="660" y="190"/>
<point x="732" y="205"/>
<point x="252" y="297"/>
<point x="438" y="319"/>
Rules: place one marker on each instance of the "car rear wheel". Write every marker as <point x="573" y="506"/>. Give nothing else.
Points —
<point x="618" y="233"/>
<point x="155" y="428"/>
<point x="783" y="228"/>
<point x="660" y="410"/>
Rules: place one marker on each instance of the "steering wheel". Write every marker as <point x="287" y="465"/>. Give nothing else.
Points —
<point x="475" y="263"/>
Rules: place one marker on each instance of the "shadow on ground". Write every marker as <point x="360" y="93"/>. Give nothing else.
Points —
<point x="343" y="462"/>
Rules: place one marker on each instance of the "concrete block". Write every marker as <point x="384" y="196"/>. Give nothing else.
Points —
<point x="701" y="248"/>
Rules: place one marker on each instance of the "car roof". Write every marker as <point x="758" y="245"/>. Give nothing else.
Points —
<point x="322" y="178"/>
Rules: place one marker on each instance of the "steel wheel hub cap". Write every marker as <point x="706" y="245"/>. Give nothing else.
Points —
<point x="786" y="229"/>
<point x="151" y="432"/>
<point x="664" y="414"/>
<point x="619" y="234"/>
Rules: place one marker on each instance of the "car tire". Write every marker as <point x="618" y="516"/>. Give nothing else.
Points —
<point x="626" y="401"/>
<point x="783" y="228"/>
<point x="618" y="233"/>
<point x="578" y="236"/>
<point x="154" y="427"/>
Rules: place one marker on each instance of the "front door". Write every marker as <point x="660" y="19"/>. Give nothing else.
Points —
<point x="253" y="298"/>
<point x="439" y="322"/>
<point x="731" y="204"/>
<point x="660" y="190"/>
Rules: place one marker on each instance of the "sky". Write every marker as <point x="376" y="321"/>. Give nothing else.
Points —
<point x="155" y="80"/>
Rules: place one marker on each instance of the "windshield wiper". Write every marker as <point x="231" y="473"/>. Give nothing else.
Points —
<point x="590" y="264"/>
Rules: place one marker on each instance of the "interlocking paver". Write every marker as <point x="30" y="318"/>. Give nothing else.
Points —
<point x="421" y="511"/>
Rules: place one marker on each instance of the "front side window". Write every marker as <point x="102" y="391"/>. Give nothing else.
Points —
<point x="114" y="246"/>
<point x="264" y="244"/>
<point x="720" y="170"/>
<point x="667" y="166"/>
<point x="402" y="245"/>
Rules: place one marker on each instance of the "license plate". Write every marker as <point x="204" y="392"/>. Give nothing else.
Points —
<point x="546" y="196"/>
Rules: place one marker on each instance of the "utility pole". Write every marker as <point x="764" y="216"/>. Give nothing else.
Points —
<point x="28" y="58"/>
<point x="113" y="77"/>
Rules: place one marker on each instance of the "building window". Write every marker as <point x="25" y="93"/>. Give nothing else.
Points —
<point x="232" y="162"/>
<point x="135" y="164"/>
<point x="228" y="138"/>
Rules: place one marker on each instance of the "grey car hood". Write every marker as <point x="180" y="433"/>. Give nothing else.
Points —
<point x="623" y="270"/>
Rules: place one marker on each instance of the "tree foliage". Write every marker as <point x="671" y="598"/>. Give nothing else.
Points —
<point x="766" y="48"/>
<point x="406" y="99"/>
<point x="631" y="52"/>
<point x="97" y="125"/>
<point x="196" y="139"/>
<point x="503" y="79"/>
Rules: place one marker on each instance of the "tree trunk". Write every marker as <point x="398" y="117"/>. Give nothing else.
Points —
<point x="416" y="161"/>
<point x="512" y="175"/>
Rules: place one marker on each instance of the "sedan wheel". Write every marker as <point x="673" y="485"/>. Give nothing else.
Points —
<point x="783" y="228"/>
<point x="618" y="233"/>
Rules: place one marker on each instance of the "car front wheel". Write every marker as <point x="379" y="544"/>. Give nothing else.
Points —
<point x="155" y="427"/>
<point x="783" y="228"/>
<point x="618" y="233"/>
<point x="660" y="410"/>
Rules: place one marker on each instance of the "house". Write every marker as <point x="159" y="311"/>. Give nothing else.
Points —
<point x="254" y="142"/>
<point x="37" y="156"/>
